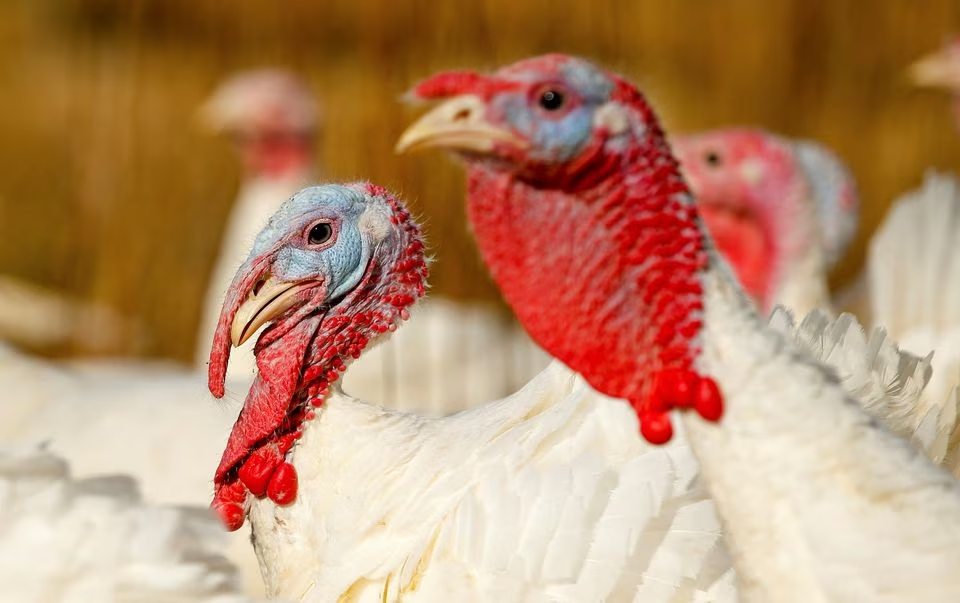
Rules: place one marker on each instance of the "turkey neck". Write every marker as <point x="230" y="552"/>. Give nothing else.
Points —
<point x="605" y="278"/>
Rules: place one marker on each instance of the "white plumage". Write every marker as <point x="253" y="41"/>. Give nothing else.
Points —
<point x="550" y="494"/>
<point x="546" y="495"/>
<point x="500" y="503"/>
<point x="65" y="540"/>
<point x="819" y="503"/>
<point x="913" y="271"/>
<point x="153" y="422"/>
<point x="890" y="383"/>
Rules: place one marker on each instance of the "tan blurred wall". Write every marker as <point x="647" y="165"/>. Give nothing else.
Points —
<point x="109" y="190"/>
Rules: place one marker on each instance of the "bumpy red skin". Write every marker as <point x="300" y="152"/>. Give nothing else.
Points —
<point x="601" y="260"/>
<point x="298" y="358"/>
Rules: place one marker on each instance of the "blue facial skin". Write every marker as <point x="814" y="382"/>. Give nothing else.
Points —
<point x="559" y="137"/>
<point x="341" y="262"/>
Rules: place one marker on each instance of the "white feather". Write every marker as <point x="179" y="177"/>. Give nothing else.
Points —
<point x="548" y="495"/>
<point x="66" y="540"/>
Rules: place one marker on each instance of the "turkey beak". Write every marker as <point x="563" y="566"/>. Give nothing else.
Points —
<point x="457" y="124"/>
<point x="268" y="299"/>
<point x="938" y="70"/>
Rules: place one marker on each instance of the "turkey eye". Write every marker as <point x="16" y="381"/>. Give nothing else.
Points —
<point x="713" y="159"/>
<point x="551" y="100"/>
<point x="320" y="233"/>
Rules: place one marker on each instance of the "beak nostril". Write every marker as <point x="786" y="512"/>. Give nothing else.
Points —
<point x="462" y="115"/>
<point x="259" y="286"/>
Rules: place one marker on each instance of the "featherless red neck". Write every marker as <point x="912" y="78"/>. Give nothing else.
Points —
<point x="306" y="349"/>
<point x="587" y="227"/>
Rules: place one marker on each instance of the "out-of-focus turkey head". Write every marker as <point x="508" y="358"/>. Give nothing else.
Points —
<point x="272" y="117"/>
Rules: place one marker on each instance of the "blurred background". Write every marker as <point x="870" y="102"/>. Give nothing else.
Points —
<point x="111" y="192"/>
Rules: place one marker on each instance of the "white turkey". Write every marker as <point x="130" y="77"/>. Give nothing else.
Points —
<point x="545" y="495"/>
<point x="780" y="210"/>
<point x="588" y="228"/>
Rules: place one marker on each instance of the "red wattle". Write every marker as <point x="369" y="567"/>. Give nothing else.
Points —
<point x="270" y="396"/>
<point x="655" y="427"/>
<point x="256" y="471"/>
<point x="228" y="504"/>
<point x="676" y="388"/>
<point x="709" y="400"/>
<point x="283" y="485"/>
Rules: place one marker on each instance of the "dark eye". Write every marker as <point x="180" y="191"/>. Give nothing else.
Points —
<point x="713" y="159"/>
<point x="320" y="233"/>
<point x="551" y="100"/>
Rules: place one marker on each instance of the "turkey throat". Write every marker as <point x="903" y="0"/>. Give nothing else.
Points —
<point x="606" y="278"/>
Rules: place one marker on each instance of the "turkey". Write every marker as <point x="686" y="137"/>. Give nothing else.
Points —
<point x="808" y="201"/>
<point x="547" y="494"/>
<point x="451" y="355"/>
<point x="588" y="228"/>
<point x="65" y="539"/>
<point x="780" y="211"/>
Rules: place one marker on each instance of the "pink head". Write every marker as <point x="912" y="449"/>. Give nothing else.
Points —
<point x="772" y="205"/>
<point x="583" y="218"/>
<point x="272" y="117"/>
<point x="336" y="267"/>
<point x="941" y="69"/>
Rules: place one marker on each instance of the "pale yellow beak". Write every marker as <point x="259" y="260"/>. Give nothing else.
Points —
<point x="457" y="124"/>
<point x="938" y="70"/>
<point x="271" y="299"/>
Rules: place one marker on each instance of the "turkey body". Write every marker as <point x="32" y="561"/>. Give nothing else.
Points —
<point x="545" y="495"/>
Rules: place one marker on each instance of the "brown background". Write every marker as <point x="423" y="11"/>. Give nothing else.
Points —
<point x="110" y="190"/>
